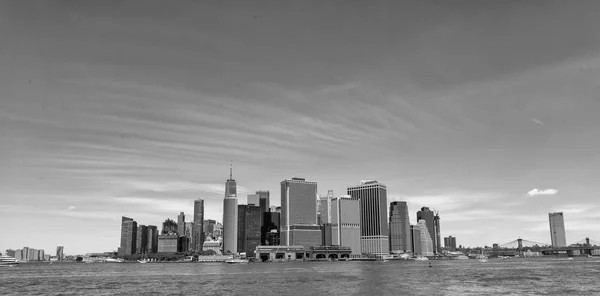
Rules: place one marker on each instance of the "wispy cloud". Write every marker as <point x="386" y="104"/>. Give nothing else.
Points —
<point x="70" y="208"/>
<point x="537" y="121"/>
<point x="536" y="191"/>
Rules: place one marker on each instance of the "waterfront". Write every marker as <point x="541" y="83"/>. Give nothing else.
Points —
<point x="536" y="276"/>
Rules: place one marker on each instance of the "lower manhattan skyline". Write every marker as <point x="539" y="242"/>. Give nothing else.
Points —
<point x="485" y="113"/>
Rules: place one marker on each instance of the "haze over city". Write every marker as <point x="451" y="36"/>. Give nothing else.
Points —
<point x="486" y="111"/>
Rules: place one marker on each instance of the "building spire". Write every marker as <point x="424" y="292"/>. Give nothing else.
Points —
<point x="230" y="170"/>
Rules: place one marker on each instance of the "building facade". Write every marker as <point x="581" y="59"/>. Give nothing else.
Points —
<point x="344" y="214"/>
<point x="426" y="242"/>
<point x="141" y="241"/>
<point x="429" y="217"/>
<point x="230" y="216"/>
<point x="60" y="252"/>
<point x="400" y="238"/>
<point x="198" y="226"/>
<point x="557" y="229"/>
<point x="450" y="243"/>
<point x="152" y="239"/>
<point x="270" y="228"/>
<point x="374" y="230"/>
<point x="252" y="199"/>
<point x="249" y="230"/>
<point x="181" y="224"/>
<point x="415" y="233"/>
<point x="167" y="243"/>
<point x="264" y="200"/>
<point x="169" y="227"/>
<point x="128" y="236"/>
<point x="299" y="213"/>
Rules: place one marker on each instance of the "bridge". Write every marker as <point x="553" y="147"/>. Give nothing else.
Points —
<point x="584" y="246"/>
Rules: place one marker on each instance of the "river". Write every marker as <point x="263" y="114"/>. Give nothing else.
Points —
<point x="536" y="276"/>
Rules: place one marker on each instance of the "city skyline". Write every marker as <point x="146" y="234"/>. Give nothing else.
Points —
<point x="483" y="112"/>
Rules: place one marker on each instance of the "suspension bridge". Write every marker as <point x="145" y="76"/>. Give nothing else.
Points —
<point x="584" y="246"/>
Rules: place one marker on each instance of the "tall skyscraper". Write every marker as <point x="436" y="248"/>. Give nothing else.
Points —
<point x="426" y="242"/>
<point x="557" y="229"/>
<point x="181" y="224"/>
<point x="374" y="231"/>
<point x="60" y="252"/>
<point x="253" y="199"/>
<point x="264" y="200"/>
<point x="400" y="240"/>
<point x="141" y="241"/>
<point x="152" y="239"/>
<point x="230" y="215"/>
<point x="429" y="217"/>
<point x="198" y="227"/>
<point x="299" y="213"/>
<point x="128" y="236"/>
<point x="249" y="218"/>
<point x="345" y="222"/>
<point x="438" y="238"/>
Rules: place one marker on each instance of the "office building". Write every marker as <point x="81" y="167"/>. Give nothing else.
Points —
<point x="299" y="213"/>
<point x="374" y="231"/>
<point x="429" y="217"/>
<point x="152" y="239"/>
<point x="169" y="227"/>
<point x="264" y="200"/>
<point x="141" y="240"/>
<point x="344" y="215"/>
<point x="209" y="227"/>
<point x="168" y="243"/>
<point x="438" y="239"/>
<point x="60" y="252"/>
<point x="252" y="199"/>
<point x="181" y="224"/>
<point x="450" y="243"/>
<point x="326" y="235"/>
<point x="128" y="236"/>
<point x="557" y="229"/>
<point x="323" y="208"/>
<point x="212" y="245"/>
<point x="415" y="235"/>
<point x="198" y="237"/>
<point x="426" y="242"/>
<point x="271" y="222"/>
<point x="400" y="239"/>
<point x="230" y="215"/>
<point x="249" y="218"/>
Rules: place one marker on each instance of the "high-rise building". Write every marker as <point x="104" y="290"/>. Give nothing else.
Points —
<point x="230" y="215"/>
<point x="168" y="243"/>
<point x="169" y="227"/>
<point x="374" y="231"/>
<point x="198" y="227"/>
<point x="450" y="243"/>
<point x="345" y="222"/>
<point x="181" y="224"/>
<point x="252" y="199"/>
<point x="264" y="200"/>
<point x="326" y="234"/>
<point x="324" y="208"/>
<point x="152" y="238"/>
<point x="557" y="229"/>
<point x="438" y="238"/>
<point x="249" y="218"/>
<point x="271" y="222"/>
<point x="426" y="242"/>
<point x="141" y="240"/>
<point x="299" y="213"/>
<point x="60" y="252"/>
<point x="400" y="240"/>
<point x="128" y="236"/>
<point x="429" y="217"/>
<point x="415" y="234"/>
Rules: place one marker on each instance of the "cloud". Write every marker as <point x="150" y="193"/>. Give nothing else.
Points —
<point x="537" y="121"/>
<point x="535" y="191"/>
<point x="70" y="208"/>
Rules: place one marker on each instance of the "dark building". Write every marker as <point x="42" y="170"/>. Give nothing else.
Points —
<point x="249" y="230"/>
<point x="169" y="227"/>
<point x="429" y="217"/>
<point x="271" y="221"/>
<point x="182" y="243"/>
<point x="198" y="228"/>
<point x="273" y="238"/>
<point x="400" y="238"/>
<point x="141" y="243"/>
<point x="152" y="238"/>
<point x="438" y="239"/>
<point x="326" y="234"/>
<point x="181" y="224"/>
<point x="415" y="233"/>
<point x="264" y="200"/>
<point x="374" y="228"/>
<point x="209" y="227"/>
<point x="450" y="243"/>
<point x="128" y="236"/>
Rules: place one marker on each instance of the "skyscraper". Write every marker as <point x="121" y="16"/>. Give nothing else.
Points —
<point x="450" y="243"/>
<point x="60" y="252"/>
<point x="426" y="242"/>
<point x="128" y="236"/>
<point x="299" y="213"/>
<point x="270" y="228"/>
<point x="438" y="238"/>
<point x="169" y="227"/>
<point x="253" y="199"/>
<point x="141" y="241"/>
<point x="557" y="229"/>
<point x="324" y="208"/>
<point x="429" y="217"/>
<point x="181" y="224"/>
<point x="198" y="227"/>
<point x="264" y="200"/>
<point x="230" y="215"/>
<point x="152" y="240"/>
<point x="345" y="222"/>
<point x="374" y="231"/>
<point x="400" y="239"/>
<point x="415" y="233"/>
<point x="249" y="232"/>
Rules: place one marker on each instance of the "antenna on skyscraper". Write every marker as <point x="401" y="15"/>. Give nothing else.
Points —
<point x="230" y="170"/>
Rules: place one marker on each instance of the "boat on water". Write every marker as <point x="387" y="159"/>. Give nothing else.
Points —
<point x="236" y="261"/>
<point x="113" y="260"/>
<point x="143" y="261"/>
<point x="421" y="258"/>
<point x="460" y="257"/>
<point x="6" y="260"/>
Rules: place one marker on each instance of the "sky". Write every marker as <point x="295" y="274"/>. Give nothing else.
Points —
<point x="486" y="111"/>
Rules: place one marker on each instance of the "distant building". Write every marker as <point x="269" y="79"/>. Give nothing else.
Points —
<point x="181" y="224"/>
<point x="438" y="239"/>
<point x="276" y="209"/>
<point x="60" y="252"/>
<point x="298" y="213"/>
<point x="198" y="236"/>
<point x="344" y="215"/>
<point x="400" y="239"/>
<point x="426" y="242"/>
<point x="167" y="243"/>
<point x="323" y="208"/>
<point x="557" y="229"/>
<point x="141" y="241"/>
<point x="264" y="200"/>
<point x="189" y="233"/>
<point x="271" y="222"/>
<point x="152" y="238"/>
<point x="169" y="227"/>
<point x="374" y="232"/>
<point x="428" y="216"/>
<point x="128" y="236"/>
<point x="450" y="243"/>
<point x="230" y="216"/>
<point x="415" y="233"/>
<point x="212" y="245"/>
<point x="252" y="199"/>
<point x="249" y="218"/>
<point x="326" y="239"/>
<point x="209" y="227"/>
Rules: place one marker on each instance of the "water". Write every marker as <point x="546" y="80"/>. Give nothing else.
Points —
<point x="547" y="276"/>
